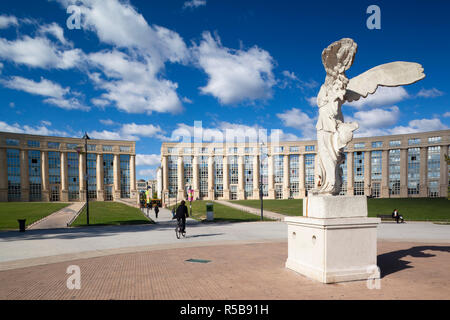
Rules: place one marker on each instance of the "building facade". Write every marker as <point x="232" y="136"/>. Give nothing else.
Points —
<point x="42" y="168"/>
<point x="410" y="165"/>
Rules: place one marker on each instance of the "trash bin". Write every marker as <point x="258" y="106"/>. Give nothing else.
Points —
<point x="21" y="225"/>
<point x="209" y="212"/>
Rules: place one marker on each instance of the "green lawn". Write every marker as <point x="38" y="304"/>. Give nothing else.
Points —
<point x="433" y="209"/>
<point x="111" y="213"/>
<point x="221" y="213"/>
<point x="31" y="211"/>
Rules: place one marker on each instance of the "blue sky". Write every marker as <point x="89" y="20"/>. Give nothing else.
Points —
<point x="146" y="70"/>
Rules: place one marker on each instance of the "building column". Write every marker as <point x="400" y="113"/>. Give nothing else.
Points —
<point x="226" y="179"/>
<point x="82" y="175"/>
<point x="350" y="173"/>
<point x="24" y="178"/>
<point x="116" y="170"/>
<point x="180" y="178"/>
<point x="3" y="176"/>
<point x="403" y="173"/>
<point x="385" y="174"/>
<point x="211" y="177"/>
<point x="367" y="174"/>
<point x="64" y="178"/>
<point x="45" y="181"/>
<point x="256" y="182"/>
<point x="100" y="178"/>
<point x="423" y="184"/>
<point x="301" y="176"/>
<point x="271" y="177"/>
<point x="286" y="172"/>
<point x="133" y="192"/>
<point x="241" y="177"/>
<point x="443" y="192"/>
<point x="195" y="178"/>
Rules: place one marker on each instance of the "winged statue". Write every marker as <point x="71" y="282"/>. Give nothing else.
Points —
<point x="333" y="134"/>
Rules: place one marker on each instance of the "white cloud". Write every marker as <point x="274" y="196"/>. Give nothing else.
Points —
<point x="235" y="75"/>
<point x="377" y="118"/>
<point x="382" y="97"/>
<point x="44" y="88"/>
<point x="194" y="3"/>
<point x="38" y="130"/>
<point x="107" y="122"/>
<point x="67" y="103"/>
<point x="430" y="93"/>
<point x="299" y="120"/>
<point x="147" y="174"/>
<point x="312" y="101"/>
<point x="55" y="30"/>
<point x="447" y="114"/>
<point x="129" y="131"/>
<point x="39" y="52"/>
<point x="419" y="125"/>
<point x="148" y="159"/>
<point x="100" y="102"/>
<point x="7" y="21"/>
<point x="290" y="75"/>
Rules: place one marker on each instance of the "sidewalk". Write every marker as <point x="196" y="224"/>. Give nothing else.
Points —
<point x="267" y="214"/>
<point x="59" y="219"/>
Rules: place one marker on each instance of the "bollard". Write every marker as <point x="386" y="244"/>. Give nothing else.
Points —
<point x="21" y="225"/>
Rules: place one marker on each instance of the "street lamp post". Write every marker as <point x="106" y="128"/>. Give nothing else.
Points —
<point x="86" y="138"/>
<point x="260" y="178"/>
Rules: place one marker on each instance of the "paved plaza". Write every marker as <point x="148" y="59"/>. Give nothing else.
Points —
<point x="246" y="262"/>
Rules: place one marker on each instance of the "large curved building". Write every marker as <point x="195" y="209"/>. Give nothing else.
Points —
<point x="408" y="165"/>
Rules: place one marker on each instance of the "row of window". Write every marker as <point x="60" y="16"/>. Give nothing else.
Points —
<point x="71" y="146"/>
<point x="73" y="174"/>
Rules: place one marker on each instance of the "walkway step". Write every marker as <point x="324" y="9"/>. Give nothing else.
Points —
<point x="267" y="214"/>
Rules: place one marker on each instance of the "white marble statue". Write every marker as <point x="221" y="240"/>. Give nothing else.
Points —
<point x="333" y="134"/>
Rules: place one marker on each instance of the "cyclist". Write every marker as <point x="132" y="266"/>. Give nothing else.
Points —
<point x="181" y="215"/>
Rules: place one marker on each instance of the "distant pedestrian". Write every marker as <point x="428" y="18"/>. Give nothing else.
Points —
<point x="156" y="211"/>
<point x="173" y="213"/>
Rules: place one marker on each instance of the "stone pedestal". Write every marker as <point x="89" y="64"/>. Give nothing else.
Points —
<point x="334" y="240"/>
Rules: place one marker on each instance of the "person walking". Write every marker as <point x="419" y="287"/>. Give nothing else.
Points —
<point x="397" y="216"/>
<point x="181" y="215"/>
<point x="156" y="210"/>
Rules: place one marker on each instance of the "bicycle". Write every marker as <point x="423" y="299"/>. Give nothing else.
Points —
<point x="178" y="231"/>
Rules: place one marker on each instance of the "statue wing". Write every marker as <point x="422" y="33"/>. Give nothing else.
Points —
<point x="391" y="74"/>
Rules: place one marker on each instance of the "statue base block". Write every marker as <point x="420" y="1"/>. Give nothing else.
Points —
<point x="333" y="250"/>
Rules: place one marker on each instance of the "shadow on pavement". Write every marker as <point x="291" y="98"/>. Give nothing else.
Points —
<point x="392" y="262"/>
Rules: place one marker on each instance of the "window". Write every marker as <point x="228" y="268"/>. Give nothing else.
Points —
<point x="377" y="144"/>
<point x="92" y="175"/>
<point x="294" y="175"/>
<point x="34" y="175"/>
<point x="376" y="165"/>
<point x="107" y="148"/>
<point x="203" y="150"/>
<point x="394" y="172"/>
<point x="125" y="149"/>
<point x="278" y="191"/>
<point x="310" y="148"/>
<point x="264" y="174"/>
<point x="248" y="176"/>
<point x="232" y="150"/>
<point x="33" y="143"/>
<point x="233" y="169"/>
<point x="218" y="150"/>
<point x="248" y="150"/>
<point x="395" y="143"/>
<point x="54" y="167"/>
<point x="309" y="171"/>
<point x="434" y="159"/>
<point x="278" y="149"/>
<point x="13" y="165"/>
<point x="343" y="166"/>
<point x="12" y="142"/>
<point x="278" y="168"/>
<point x="188" y="173"/>
<point x="73" y="175"/>
<point x="92" y="147"/>
<point x="434" y="139"/>
<point x="203" y="174"/>
<point x="413" y="141"/>
<point x="187" y="150"/>
<point x="53" y="145"/>
<point x="124" y="176"/>
<point x="71" y="146"/>
<point x="413" y="170"/>
<point x="108" y="170"/>
<point x="360" y="145"/>
<point x="294" y="149"/>
<point x="172" y="150"/>
<point x="172" y="162"/>
<point x="218" y="176"/>
<point x="358" y="184"/>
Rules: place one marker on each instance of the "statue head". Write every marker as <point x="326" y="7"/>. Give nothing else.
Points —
<point x="338" y="57"/>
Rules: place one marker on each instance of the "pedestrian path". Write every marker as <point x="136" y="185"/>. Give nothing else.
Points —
<point x="59" y="219"/>
<point x="267" y="214"/>
<point x="164" y="216"/>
